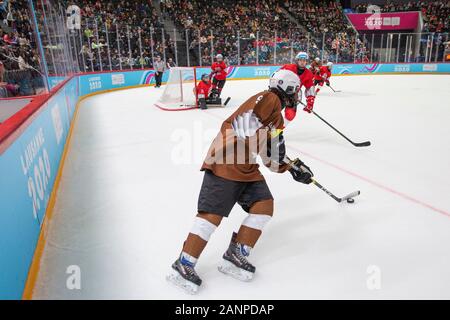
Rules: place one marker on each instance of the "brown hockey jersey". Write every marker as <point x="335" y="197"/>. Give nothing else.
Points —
<point x="243" y="136"/>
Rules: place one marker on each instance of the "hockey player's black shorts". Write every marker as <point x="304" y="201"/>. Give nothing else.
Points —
<point x="219" y="83"/>
<point x="219" y="195"/>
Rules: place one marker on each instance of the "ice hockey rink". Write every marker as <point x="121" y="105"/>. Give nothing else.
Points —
<point x="129" y="188"/>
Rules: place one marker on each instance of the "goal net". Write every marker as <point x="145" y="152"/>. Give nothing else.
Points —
<point x="179" y="90"/>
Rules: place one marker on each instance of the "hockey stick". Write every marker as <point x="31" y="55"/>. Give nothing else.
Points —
<point x="347" y="197"/>
<point x="317" y="184"/>
<point x="333" y="89"/>
<point x="356" y="144"/>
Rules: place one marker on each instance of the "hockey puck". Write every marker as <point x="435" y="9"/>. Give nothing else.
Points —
<point x="350" y="200"/>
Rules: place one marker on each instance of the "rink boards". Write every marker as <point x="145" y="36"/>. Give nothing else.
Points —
<point x="112" y="80"/>
<point x="30" y="165"/>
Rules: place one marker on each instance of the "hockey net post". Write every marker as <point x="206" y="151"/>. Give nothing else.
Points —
<point x="179" y="92"/>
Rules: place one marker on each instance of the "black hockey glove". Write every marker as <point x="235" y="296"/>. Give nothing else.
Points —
<point x="327" y="83"/>
<point x="301" y="172"/>
<point x="276" y="149"/>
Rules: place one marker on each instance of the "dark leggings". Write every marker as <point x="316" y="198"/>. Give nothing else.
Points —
<point x="218" y="83"/>
<point x="158" y="78"/>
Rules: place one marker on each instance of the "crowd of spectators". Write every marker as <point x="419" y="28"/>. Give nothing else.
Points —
<point x="130" y="34"/>
<point x="119" y="34"/>
<point x="435" y="13"/>
<point x="328" y="26"/>
<point x="319" y="16"/>
<point x="270" y="31"/>
<point x="223" y="23"/>
<point x="18" y="55"/>
<point x="134" y="29"/>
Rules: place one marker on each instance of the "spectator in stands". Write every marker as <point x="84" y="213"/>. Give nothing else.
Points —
<point x="170" y="63"/>
<point x="3" y="5"/>
<point x="10" y="38"/>
<point x="6" y="89"/>
<point x="3" y="90"/>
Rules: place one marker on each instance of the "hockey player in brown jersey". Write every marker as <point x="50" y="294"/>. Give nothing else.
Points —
<point x="232" y="176"/>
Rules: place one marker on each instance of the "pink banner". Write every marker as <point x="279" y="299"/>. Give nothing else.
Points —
<point x="384" y="21"/>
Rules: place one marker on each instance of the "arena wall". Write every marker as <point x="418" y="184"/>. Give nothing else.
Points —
<point x="28" y="170"/>
<point x="31" y="162"/>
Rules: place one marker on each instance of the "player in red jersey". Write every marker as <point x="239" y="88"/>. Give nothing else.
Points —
<point x="219" y="76"/>
<point x="323" y="76"/>
<point x="315" y="66"/>
<point x="203" y="90"/>
<point x="306" y="79"/>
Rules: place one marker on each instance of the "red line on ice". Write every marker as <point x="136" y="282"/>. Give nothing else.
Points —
<point x="377" y="184"/>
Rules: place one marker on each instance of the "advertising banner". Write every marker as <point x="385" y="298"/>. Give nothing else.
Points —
<point x="391" y="21"/>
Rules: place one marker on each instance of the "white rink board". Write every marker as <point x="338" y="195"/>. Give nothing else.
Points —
<point x="124" y="207"/>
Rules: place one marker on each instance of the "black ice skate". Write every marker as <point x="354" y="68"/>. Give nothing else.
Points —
<point x="235" y="261"/>
<point x="183" y="274"/>
<point x="214" y="94"/>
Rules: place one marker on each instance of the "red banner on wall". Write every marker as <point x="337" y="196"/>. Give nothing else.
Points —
<point x="384" y="21"/>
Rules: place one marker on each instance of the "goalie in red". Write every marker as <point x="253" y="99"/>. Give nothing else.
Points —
<point x="202" y="91"/>
<point x="323" y="76"/>
<point x="204" y="94"/>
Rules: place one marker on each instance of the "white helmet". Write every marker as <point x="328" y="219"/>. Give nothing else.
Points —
<point x="219" y="57"/>
<point x="285" y="81"/>
<point x="330" y="65"/>
<point x="317" y="59"/>
<point x="302" y="55"/>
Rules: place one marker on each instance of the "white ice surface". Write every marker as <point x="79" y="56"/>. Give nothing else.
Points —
<point x="125" y="203"/>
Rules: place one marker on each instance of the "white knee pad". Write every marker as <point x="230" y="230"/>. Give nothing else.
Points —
<point x="256" y="221"/>
<point x="203" y="228"/>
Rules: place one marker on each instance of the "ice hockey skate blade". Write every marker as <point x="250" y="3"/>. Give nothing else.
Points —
<point x="177" y="280"/>
<point x="230" y="269"/>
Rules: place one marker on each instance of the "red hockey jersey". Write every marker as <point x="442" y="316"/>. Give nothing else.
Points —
<point x="324" y="74"/>
<point x="305" y="75"/>
<point x="203" y="89"/>
<point x="219" y="70"/>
